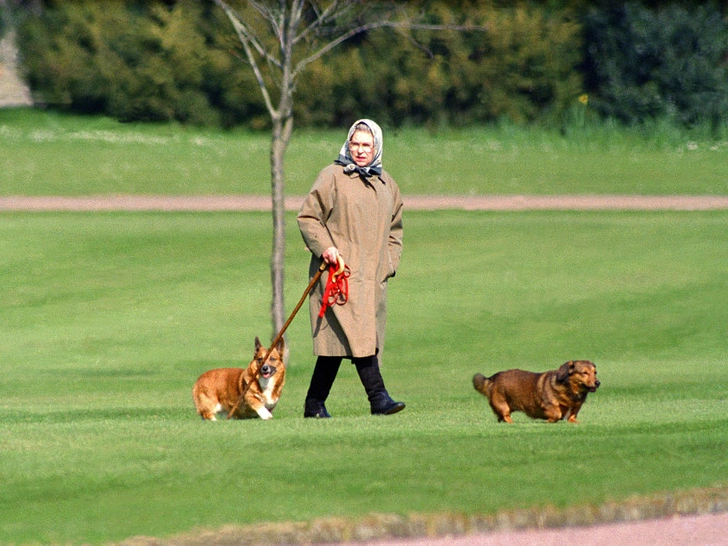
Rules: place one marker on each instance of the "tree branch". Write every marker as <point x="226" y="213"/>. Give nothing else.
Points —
<point x="243" y="36"/>
<point x="331" y="12"/>
<point x="241" y="28"/>
<point x="385" y="21"/>
<point x="335" y="42"/>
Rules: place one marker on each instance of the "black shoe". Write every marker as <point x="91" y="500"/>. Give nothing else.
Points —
<point x="315" y="408"/>
<point x="384" y="405"/>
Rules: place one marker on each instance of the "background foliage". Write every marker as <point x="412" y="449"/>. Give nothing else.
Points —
<point x="181" y="61"/>
<point x="644" y="63"/>
<point x="521" y="68"/>
<point x="149" y="63"/>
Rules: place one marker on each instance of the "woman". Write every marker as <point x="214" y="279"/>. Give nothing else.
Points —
<point x="353" y="211"/>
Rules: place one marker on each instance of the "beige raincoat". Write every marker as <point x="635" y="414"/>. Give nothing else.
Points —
<point x="362" y="218"/>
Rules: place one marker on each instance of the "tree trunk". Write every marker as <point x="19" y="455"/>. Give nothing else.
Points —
<point x="282" y="119"/>
<point x="281" y="135"/>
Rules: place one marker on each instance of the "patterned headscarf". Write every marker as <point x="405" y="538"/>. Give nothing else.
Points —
<point x="345" y="159"/>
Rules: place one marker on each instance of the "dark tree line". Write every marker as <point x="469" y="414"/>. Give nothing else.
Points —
<point x="180" y="60"/>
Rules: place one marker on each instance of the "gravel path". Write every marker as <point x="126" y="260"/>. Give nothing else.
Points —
<point x="412" y="202"/>
<point x="711" y="529"/>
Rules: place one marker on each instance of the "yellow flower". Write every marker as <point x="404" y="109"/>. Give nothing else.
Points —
<point x="584" y="99"/>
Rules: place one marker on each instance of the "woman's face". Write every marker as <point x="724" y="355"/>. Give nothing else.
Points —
<point x="361" y="148"/>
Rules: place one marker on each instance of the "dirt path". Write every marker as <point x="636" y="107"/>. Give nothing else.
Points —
<point x="710" y="529"/>
<point x="383" y="530"/>
<point x="412" y="202"/>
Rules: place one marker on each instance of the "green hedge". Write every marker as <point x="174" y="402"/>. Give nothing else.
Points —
<point x="130" y="62"/>
<point x="522" y="68"/>
<point x="153" y="61"/>
<point x="182" y="61"/>
<point x="669" y="62"/>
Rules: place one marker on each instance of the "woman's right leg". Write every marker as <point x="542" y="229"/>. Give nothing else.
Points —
<point x="322" y="379"/>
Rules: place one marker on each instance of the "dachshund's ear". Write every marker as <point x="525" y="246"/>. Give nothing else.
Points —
<point x="563" y="373"/>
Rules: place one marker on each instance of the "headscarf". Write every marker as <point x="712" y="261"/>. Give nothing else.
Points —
<point x="345" y="159"/>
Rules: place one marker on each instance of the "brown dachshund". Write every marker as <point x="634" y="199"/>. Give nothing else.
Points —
<point x="553" y="395"/>
<point x="252" y="391"/>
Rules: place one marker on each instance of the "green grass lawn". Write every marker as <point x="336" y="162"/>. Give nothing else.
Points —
<point x="45" y="153"/>
<point x="108" y="319"/>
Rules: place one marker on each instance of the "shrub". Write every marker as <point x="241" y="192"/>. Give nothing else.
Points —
<point x="172" y="61"/>
<point x="523" y="68"/>
<point x="643" y="63"/>
<point x="133" y="64"/>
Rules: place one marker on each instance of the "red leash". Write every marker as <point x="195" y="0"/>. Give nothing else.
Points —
<point x="337" y="287"/>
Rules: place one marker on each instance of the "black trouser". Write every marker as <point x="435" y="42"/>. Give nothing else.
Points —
<point x="326" y="368"/>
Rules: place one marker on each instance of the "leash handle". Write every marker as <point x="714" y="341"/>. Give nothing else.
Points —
<point x="340" y="263"/>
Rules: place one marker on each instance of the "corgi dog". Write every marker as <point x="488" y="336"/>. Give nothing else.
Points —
<point x="242" y="392"/>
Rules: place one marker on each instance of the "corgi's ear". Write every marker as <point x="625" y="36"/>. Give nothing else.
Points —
<point x="280" y="346"/>
<point x="257" y="344"/>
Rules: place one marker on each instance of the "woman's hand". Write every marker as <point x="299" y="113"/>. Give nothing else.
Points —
<point x="331" y="255"/>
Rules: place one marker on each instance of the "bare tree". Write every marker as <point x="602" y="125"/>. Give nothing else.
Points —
<point x="280" y="38"/>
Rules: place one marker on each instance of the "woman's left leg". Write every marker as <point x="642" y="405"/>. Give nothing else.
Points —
<point x="371" y="377"/>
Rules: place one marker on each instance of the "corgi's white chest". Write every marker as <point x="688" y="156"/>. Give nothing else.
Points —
<point x="266" y="386"/>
